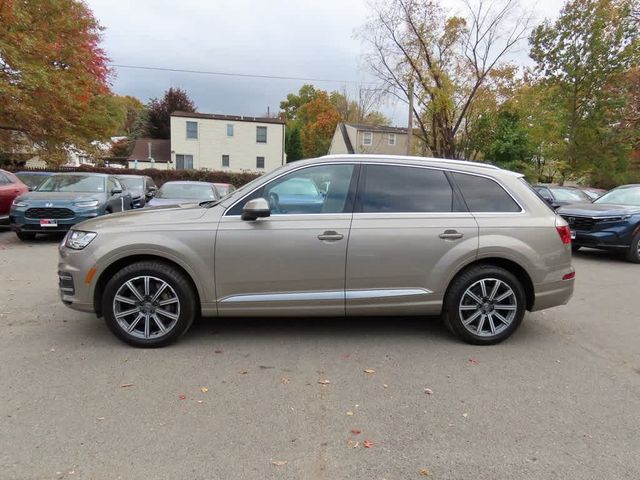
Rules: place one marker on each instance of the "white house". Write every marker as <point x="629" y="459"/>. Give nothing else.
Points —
<point x="226" y="142"/>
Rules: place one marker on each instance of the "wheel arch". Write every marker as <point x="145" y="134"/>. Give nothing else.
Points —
<point x="517" y="270"/>
<point x="123" y="262"/>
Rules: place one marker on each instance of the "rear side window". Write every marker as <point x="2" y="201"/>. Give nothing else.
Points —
<point x="388" y="189"/>
<point x="485" y="195"/>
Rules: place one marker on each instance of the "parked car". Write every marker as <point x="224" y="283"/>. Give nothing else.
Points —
<point x="593" y="193"/>
<point x="33" y="178"/>
<point x="10" y="188"/>
<point x="612" y="222"/>
<point x="65" y="199"/>
<point x="224" y="189"/>
<point x="393" y="236"/>
<point x="141" y="187"/>
<point x="557" y="195"/>
<point x="175" y="193"/>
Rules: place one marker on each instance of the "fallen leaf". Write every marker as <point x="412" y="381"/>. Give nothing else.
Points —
<point x="346" y="356"/>
<point x="367" y="444"/>
<point x="218" y="351"/>
<point x="100" y="418"/>
<point x="243" y="372"/>
<point x="285" y="380"/>
<point x="465" y="415"/>
<point x="428" y="391"/>
<point x="279" y="463"/>
<point x="424" y="472"/>
<point x="353" y="444"/>
<point x="385" y="385"/>
<point x="125" y="385"/>
<point x="204" y="389"/>
<point x="200" y="401"/>
<point x="355" y="431"/>
<point x="182" y="397"/>
<point x="350" y="413"/>
<point x="472" y="361"/>
<point x="369" y="370"/>
<point x="324" y="382"/>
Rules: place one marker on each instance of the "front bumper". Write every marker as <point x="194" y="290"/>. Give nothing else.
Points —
<point x="605" y="239"/>
<point x="75" y="291"/>
<point x="20" y="223"/>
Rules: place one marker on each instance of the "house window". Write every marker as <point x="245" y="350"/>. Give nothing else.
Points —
<point x="367" y="138"/>
<point x="184" y="162"/>
<point x="261" y="134"/>
<point x="192" y="130"/>
<point x="259" y="162"/>
<point x="229" y="129"/>
<point x="392" y="139"/>
<point x="225" y="160"/>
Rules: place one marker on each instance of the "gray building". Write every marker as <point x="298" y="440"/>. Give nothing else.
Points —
<point x="355" y="138"/>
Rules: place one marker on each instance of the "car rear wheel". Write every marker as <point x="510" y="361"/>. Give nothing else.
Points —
<point x="24" y="236"/>
<point x="633" y="254"/>
<point x="149" y="304"/>
<point x="485" y="305"/>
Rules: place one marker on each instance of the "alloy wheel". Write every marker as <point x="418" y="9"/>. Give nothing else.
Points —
<point x="488" y="307"/>
<point x="146" y="307"/>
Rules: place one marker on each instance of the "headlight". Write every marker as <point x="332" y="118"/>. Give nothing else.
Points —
<point x="77" y="239"/>
<point x="90" y="203"/>
<point x="19" y="203"/>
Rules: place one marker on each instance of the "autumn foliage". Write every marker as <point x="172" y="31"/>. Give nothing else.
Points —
<point x="54" y="88"/>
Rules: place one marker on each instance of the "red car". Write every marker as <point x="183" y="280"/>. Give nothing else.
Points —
<point x="10" y="188"/>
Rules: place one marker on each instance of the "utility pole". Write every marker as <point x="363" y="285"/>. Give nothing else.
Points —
<point x="410" y="122"/>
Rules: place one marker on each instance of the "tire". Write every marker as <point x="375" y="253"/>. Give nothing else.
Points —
<point x="174" y="307"/>
<point x="633" y="254"/>
<point x="505" y="315"/>
<point x="26" y="236"/>
<point x="575" y="248"/>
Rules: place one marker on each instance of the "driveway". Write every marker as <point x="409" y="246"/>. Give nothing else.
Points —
<point x="237" y="399"/>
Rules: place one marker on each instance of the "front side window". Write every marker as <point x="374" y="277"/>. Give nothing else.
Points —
<point x="485" y="195"/>
<point x="313" y="190"/>
<point x="230" y="130"/>
<point x="396" y="189"/>
<point x="259" y="162"/>
<point x="392" y="139"/>
<point x="184" y="162"/>
<point x="367" y="138"/>
<point x="192" y="130"/>
<point x="261" y="134"/>
<point x="225" y="160"/>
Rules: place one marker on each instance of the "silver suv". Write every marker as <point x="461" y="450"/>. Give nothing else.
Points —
<point x="356" y="235"/>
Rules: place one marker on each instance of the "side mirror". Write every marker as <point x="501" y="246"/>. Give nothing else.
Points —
<point x="256" y="208"/>
<point x="31" y="189"/>
<point x="116" y="191"/>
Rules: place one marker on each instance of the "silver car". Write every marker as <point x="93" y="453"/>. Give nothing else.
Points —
<point x="356" y="235"/>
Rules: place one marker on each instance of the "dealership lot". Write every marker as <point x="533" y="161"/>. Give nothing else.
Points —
<point x="559" y="399"/>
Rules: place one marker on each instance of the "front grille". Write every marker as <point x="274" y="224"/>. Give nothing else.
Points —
<point x="580" y="223"/>
<point x="49" y="213"/>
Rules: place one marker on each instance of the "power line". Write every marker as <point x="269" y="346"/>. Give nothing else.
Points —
<point x="243" y="75"/>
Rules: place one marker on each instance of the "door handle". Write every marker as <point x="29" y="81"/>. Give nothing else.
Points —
<point x="451" y="235"/>
<point x="330" y="236"/>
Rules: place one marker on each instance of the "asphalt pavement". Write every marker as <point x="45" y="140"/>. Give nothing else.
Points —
<point x="316" y="398"/>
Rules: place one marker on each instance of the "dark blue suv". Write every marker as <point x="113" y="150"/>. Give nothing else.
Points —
<point x="611" y="222"/>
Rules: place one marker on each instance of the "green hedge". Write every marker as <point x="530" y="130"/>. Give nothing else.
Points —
<point x="159" y="176"/>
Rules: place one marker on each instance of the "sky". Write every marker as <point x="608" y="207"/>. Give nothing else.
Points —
<point x="312" y="39"/>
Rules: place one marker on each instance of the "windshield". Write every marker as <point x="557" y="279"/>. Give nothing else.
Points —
<point x="72" y="183"/>
<point x="31" y="179"/>
<point x="132" y="183"/>
<point x="569" y="195"/>
<point x="622" y="196"/>
<point x="186" y="190"/>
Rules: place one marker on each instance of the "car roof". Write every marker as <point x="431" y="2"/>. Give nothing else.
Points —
<point x="29" y="172"/>
<point x="187" y="182"/>
<point x="85" y="174"/>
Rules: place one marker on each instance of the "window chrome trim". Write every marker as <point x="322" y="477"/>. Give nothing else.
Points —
<point x="386" y="293"/>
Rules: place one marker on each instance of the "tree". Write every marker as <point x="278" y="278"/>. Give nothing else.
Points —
<point x="360" y="110"/>
<point x="293" y="143"/>
<point x="446" y="58"/>
<point x="53" y="77"/>
<point x="159" y="112"/>
<point x="134" y="116"/>
<point x="293" y="102"/>
<point x="318" y="120"/>
<point x="584" y="50"/>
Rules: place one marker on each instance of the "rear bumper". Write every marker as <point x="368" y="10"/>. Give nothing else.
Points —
<point x="553" y="294"/>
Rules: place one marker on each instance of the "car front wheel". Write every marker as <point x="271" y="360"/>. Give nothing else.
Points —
<point x="485" y="305"/>
<point x="149" y="304"/>
<point x="25" y="236"/>
<point x="633" y="254"/>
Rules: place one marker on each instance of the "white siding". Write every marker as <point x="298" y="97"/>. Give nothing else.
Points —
<point x="144" y="165"/>
<point x="212" y="143"/>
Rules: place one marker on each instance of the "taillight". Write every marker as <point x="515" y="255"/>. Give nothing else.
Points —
<point x="565" y="233"/>
<point x="569" y="276"/>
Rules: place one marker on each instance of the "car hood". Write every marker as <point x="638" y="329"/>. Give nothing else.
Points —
<point x="145" y="218"/>
<point x="41" y="199"/>
<point x="155" y="202"/>
<point x="598" y="210"/>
